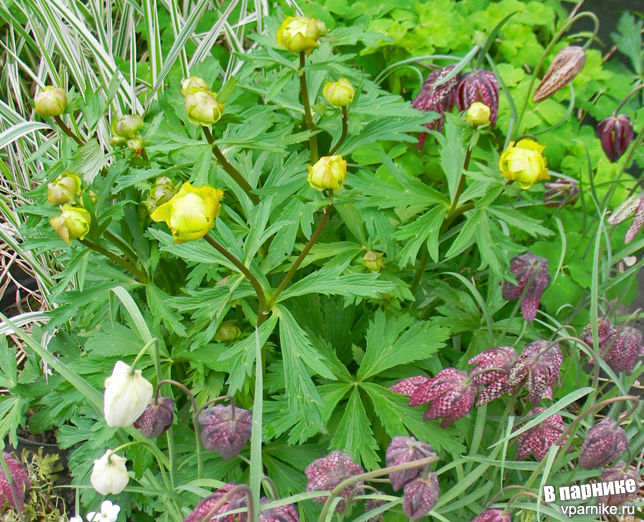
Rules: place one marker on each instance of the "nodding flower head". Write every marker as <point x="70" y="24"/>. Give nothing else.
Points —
<point x="620" y="472"/>
<point x="401" y="451"/>
<point x="538" y="369"/>
<point x="479" y="86"/>
<point x="604" y="442"/>
<point x="561" y="192"/>
<point x="633" y="206"/>
<point x="286" y="513"/>
<point x="20" y="480"/>
<point x="495" y="383"/>
<point x="225" y="430"/>
<point x="531" y="270"/>
<point x="326" y="473"/>
<point x="450" y="396"/>
<point x="373" y="503"/>
<point x="623" y="349"/>
<point x="493" y="515"/>
<point x="616" y="134"/>
<point x="236" y="501"/>
<point x="604" y="333"/>
<point x="410" y="385"/>
<point x="566" y="65"/>
<point x="157" y="418"/>
<point x="539" y="438"/>
<point x="420" y="496"/>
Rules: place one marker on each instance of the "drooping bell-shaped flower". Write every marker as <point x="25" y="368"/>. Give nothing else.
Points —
<point x="401" y="451"/>
<point x="436" y="98"/>
<point x="286" y="513"/>
<point x="623" y="349"/>
<point x="493" y="515"/>
<point x="604" y="442"/>
<point x="157" y="418"/>
<point x="531" y="270"/>
<point x="328" y="472"/>
<point x="225" y="430"/>
<point x="450" y="396"/>
<point x="567" y="64"/>
<point x="539" y="438"/>
<point x="495" y="383"/>
<point x="479" y="86"/>
<point x="409" y="385"/>
<point x="19" y="478"/>
<point x="616" y="134"/>
<point x="420" y="496"/>
<point x="633" y="206"/>
<point x="561" y="193"/>
<point x="618" y="473"/>
<point x="126" y="397"/>
<point x="109" y="474"/>
<point x="604" y="333"/>
<point x="538" y="369"/>
<point x="236" y="501"/>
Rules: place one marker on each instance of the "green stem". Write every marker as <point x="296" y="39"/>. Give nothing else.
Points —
<point x="228" y="167"/>
<point x="289" y="275"/>
<point x="131" y="268"/>
<point x="519" y="494"/>
<point x="68" y="131"/>
<point x="120" y="244"/>
<point x="257" y="467"/>
<point x="628" y="97"/>
<point x="218" y="399"/>
<point x="142" y="353"/>
<point x="345" y="130"/>
<point x="304" y="91"/>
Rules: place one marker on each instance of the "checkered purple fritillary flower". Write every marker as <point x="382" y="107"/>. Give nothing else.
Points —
<point x="604" y="333"/>
<point x="327" y="473"/>
<point x="225" y="430"/>
<point x="566" y="65"/>
<point x="479" y="86"/>
<point x="538" y="369"/>
<point x="604" y="442"/>
<point x="401" y="451"/>
<point x="450" y="395"/>
<point x="374" y="503"/>
<point x="528" y="269"/>
<point x="493" y="515"/>
<point x="439" y="99"/>
<point x="20" y="480"/>
<point x="539" y="438"/>
<point x="633" y="206"/>
<point x="616" y="134"/>
<point x="236" y="501"/>
<point x="621" y="471"/>
<point x="495" y="383"/>
<point x="157" y="418"/>
<point x="420" y="496"/>
<point x="623" y="349"/>
<point x="286" y="513"/>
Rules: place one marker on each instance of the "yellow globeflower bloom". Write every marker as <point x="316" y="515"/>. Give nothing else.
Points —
<point x="328" y="173"/>
<point x="299" y="33"/>
<point x="524" y="162"/>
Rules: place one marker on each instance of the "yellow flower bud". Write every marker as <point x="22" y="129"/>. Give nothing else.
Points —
<point x="72" y="223"/>
<point x="64" y="189"/>
<point x="340" y="93"/>
<point x="322" y="30"/>
<point x="161" y="193"/>
<point x="135" y="145"/>
<point x="192" y="84"/>
<point x="373" y="261"/>
<point x="117" y="141"/>
<point x="203" y="108"/>
<point x="51" y="101"/>
<point x="128" y="126"/>
<point x="328" y="173"/>
<point x="299" y="34"/>
<point x="478" y="114"/>
<point x="524" y="162"/>
<point x="227" y="331"/>
<point x="190" y="213"/>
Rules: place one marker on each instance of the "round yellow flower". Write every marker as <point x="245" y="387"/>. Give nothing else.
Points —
<point x="340" y="93"/>
<point x="51" y="101"/>
<point x="72" y="223"/>
<point x="190" y="213"/>
<point x="299" y="33"/>
<point x="64" y="189"/>
<point x="203" y="108"/>
<point x="478" y="114"/>
<point x="525" y="163"/>
<point x="328" y="173"/>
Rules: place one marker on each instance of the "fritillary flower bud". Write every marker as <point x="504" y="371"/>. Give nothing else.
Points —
<point x="532" y="270"/>
<point x="328" y="472"/>
<point x="126" y="397"/>
<point x="287" y="513"/>
<point x="479" y="87"/>
<point x="539" y="438"/>
<point x="436" y="98"/>
<point x="373" y="261"/>
<point x="567" y="64"/>
<point x="161" y="193"/>
<point x="401" y="451"/>
<point x="328" y="173"/>
<point x="64" y="189"/>
<point x="623" y="349"/>
<point x="493" y="515"/>
<point x="50" y="101"/>
<point x="561" y="192"/>
<point x="72" y="223"/>
<point x="299" y="34"/>
<point x="524" y="162"/>
<point x="478" y="114"/>
<point x="620" y="472"/>
<point x="20" y="480"/>
<point x="495" y="382"/>
<point x="128" y="126"/>
<point x="616" y="134"/>
<point x="225" y="430"/>
<point x="340" y="93"/>
<point x="632" y="206"/>
<point x="450" y="396"/>
<point x="157" y="418"/>
<point x="236" y="501"/>
<point x="420" y="496"/>
<point x="538" y="369"/>
<point x="227" y="331"/>
<point x="202" y="108"/>
<point x="109" y="474"/>
<point x="373" y="503"/>
<point x="604" y="442"/>
<point x="192" y="84"/>
<point x="190" y="213"/>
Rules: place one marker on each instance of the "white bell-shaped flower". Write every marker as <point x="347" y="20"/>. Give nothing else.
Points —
<point x="109" y="475"/>
<point x="126" y="396"/>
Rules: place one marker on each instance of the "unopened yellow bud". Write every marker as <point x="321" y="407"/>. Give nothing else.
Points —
<point x="328" y="173"/>
<point x="340" y="93"/>
<point x="203" y="108"/>
<point x="227" y="331"/>
<point x="72" y="223"/>
<point x="51" y="101"/>
<point x="64" y="189"/>
<point x="299" y="34"/>
<point x="128" y="126"/>
<point x="373" y="261"/>
<point x="478" y="114"/>
<point x="192" y="84"/>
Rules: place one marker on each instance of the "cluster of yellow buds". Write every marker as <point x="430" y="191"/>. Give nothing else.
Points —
<point x="125" y="132"/>
<point x="202" y="106"/>
<point x="74" y="221"/>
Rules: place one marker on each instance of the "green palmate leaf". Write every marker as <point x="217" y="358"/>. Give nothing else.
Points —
<point x="517" y="219"/>
<point x="158" y="302"/>
<point x="392" y="129"/>
<point x="394" y="340"/>
<point x="424" y="229"/>
<point x="12" y="411"/>
<point x="354" y="435"/>
<point x="467" y="233"/>
<point x="452" y="154"/>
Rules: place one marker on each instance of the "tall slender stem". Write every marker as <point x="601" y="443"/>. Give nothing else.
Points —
<point x="68" y="131"/>
<point x="256" y="464"/>
<point x="138" y="273"/>
<point x="242" y="488"/>
<point x="228" y="167"/>
<point x="628" y="97"/>
<point x="310" y="124"/>
<point x="120" y="244"/>
<point x="345" y="130"/>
